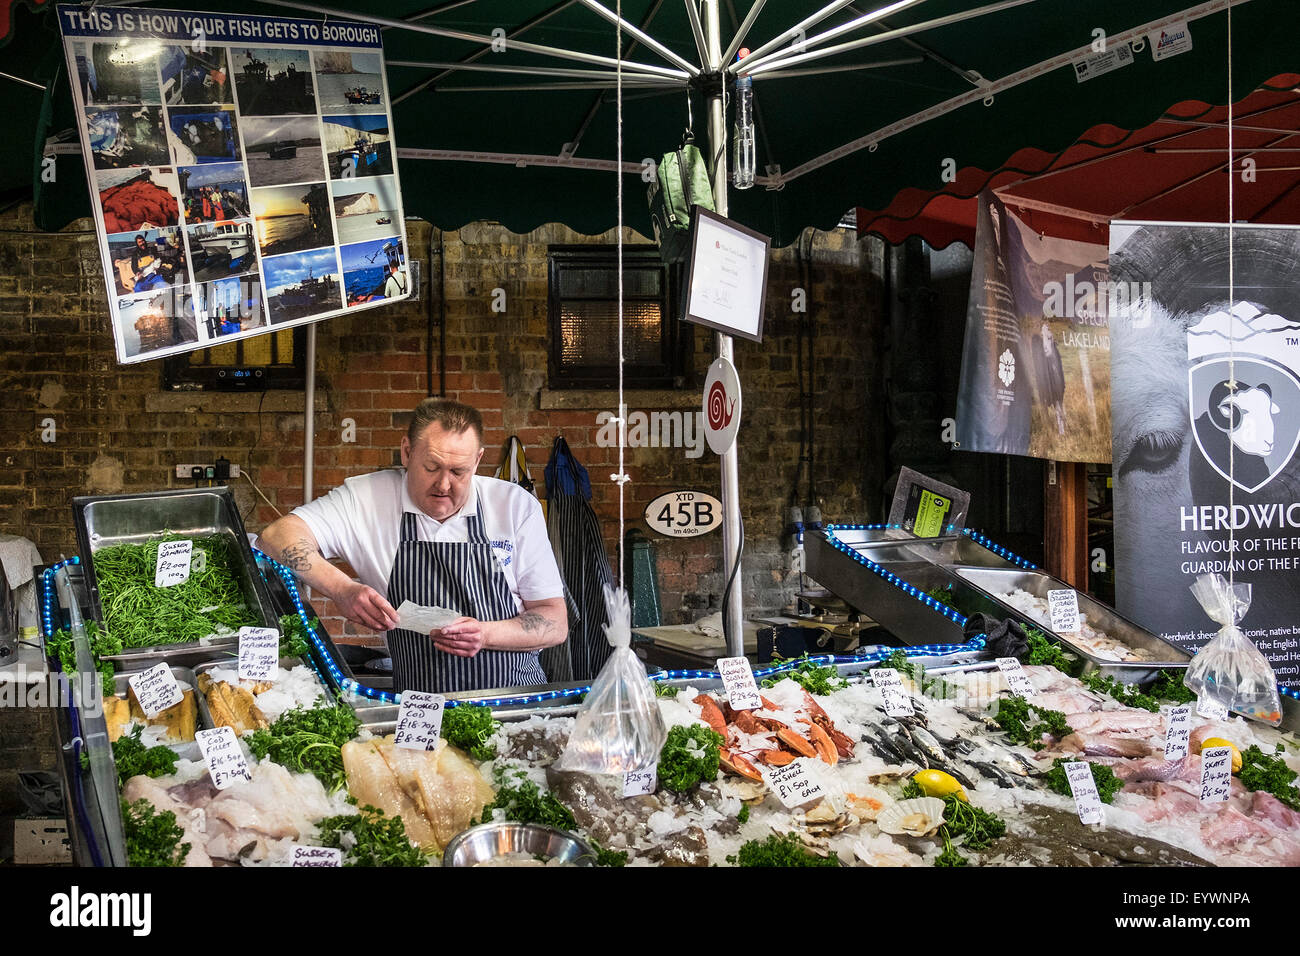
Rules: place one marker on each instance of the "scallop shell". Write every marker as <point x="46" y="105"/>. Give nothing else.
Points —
<point x="916" y="818"/>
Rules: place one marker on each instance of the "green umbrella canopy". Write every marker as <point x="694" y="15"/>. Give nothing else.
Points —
<point x="969" y="91"/>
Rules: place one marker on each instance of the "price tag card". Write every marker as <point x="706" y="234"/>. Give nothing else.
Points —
<point x="1017" y="680"/>
<point x="1216" y="774"/>
<point x="225" y="760"/>
<point x="156" y="689"/>
<point x="898" y="703"/>
<point x="1211" y="709"/>
<point x="259" y="653"/>
<point x="639" y="782"/>
<point x="1178" y="731"/>
<point x="738" y="679"/>
<point x="792" y="785"/>
<point x="173" y="565"/>
<point x="1087" y="801"/>
<point x="316" y="856"/>
<point x="1064" y="605"/>
<point x="419" y="720"/>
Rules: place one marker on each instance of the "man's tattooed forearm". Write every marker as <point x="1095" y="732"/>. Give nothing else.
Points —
<point x="534" y="623"/>
<point x="298" y="556"/>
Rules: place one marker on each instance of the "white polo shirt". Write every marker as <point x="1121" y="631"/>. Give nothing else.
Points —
<point x="361" y="522"/>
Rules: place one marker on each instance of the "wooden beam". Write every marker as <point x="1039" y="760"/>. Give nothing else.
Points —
<point x="1065" y="522"/>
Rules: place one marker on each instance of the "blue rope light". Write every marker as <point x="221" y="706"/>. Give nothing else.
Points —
<point x="911" y="590"/>
<point x="999" y="550"/>
<point x="48" y="593"/>
<point x="353" y="686"/>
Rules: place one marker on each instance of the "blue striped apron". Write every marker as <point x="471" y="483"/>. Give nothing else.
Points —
<point x="464" y="577"/>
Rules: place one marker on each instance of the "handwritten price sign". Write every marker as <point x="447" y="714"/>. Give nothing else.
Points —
<point x="738" y="679"/>
<point x="259" y="653"/>
<point x="156" y="690"/>
<point x="890" y="685"/>
<point x="173" y="565"/>
<point x="792" y="785"/>
<point x="226" y="763"/>
<point x="419" y="720"/>
<point x="1216" y="774"/>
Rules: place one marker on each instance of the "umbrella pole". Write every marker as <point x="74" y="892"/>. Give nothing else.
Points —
<point x="733" y="612"/>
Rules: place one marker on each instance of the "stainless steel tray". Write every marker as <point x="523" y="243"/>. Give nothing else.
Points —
<point x="996" y="581"/>
<point x="188" y="749"/>
<point x="882" y="592"/>
<point x="105" y="521"/>
<point x="229" y="660"/>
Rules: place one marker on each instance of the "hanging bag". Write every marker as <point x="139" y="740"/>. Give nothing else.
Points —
<point x="1231" y="669"/>
<point x="682" y="182"/>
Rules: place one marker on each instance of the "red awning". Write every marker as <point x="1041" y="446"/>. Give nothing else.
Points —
<point x="1175" y="170"/>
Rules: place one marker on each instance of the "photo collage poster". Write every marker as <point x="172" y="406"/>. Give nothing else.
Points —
<point x="243" y="172"/>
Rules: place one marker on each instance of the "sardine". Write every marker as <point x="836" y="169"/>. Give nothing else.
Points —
<point x="882" y="744"/>
<point x="884" y="752"/>
<point x="927" y="742"/>
<point x="994" y="773"/>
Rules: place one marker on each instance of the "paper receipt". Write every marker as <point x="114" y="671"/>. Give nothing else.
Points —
<point x="422" y="620"/>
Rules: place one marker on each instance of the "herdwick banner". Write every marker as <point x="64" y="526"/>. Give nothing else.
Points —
<point x="1206" y="415"/>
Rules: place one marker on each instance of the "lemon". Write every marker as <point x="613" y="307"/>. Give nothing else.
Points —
<point x="1220" y="742"/>
<point x="936" y="783"/>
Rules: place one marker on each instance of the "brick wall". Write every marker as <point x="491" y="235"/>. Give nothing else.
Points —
<point x="117" y="431"/>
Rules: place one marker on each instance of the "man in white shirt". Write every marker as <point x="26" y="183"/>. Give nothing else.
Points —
<point x="436" y="534"/>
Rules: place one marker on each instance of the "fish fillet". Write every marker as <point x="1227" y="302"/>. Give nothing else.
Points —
<point x="373" y="783"/>
<point x="143" y="788"/>
<point x="446" y="787"/>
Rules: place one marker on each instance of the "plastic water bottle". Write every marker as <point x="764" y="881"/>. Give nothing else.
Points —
<point x="744" y="155"/>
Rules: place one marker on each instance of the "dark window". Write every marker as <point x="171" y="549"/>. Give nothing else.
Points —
<point x="584" y="320"/>
<point x="274" y="360"/>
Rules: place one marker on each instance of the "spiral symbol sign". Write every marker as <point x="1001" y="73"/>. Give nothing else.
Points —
<point x="720" y="410"/>
<point x="722" y="403"/>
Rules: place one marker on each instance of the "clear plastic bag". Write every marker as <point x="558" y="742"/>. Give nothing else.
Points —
<point x="619" y="728"/>
<point x="1230" y="669"/>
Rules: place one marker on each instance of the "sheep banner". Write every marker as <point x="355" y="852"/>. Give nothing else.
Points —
<point x="1205" y="377"/>
<point x="1035" y="373"/>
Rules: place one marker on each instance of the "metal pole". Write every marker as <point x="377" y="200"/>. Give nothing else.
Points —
<point x="733" y="613"/>
<point x="309" y="418"/>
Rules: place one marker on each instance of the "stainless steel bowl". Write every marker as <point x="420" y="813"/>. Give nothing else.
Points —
<point x="488" y="840"/>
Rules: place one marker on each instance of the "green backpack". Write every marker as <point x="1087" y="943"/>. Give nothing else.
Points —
<point x="682" y="182"/>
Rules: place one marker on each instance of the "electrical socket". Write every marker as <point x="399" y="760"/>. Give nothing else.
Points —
<point x="184" y="471"/>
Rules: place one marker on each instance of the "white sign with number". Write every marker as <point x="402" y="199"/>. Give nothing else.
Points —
<point x="1216" y="774"/>
<point x="222" y="754"/>
<point x="1018" y="681"/>
<point x="738" y="680"/>
<point x="1064" y="605"/>
<point x="156" y="689"/>
<point x="1211" y="709"/>
<point x="792" y="785"/>
<point x="259" y="653"/>
<point x="316" y="856"/>
<point x="1087" y="801"/>
<point x="419" y="720"/>
<point x="684" y="514"/>
<point x="173" y="565"/>
<point x="898" y="703"/>
<point x="639" y="782"/>
<point x="1178" y="732"/>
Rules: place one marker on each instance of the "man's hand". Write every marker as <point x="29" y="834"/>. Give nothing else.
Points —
<point x="365" y="606"/>
<point x="463" y="637"/>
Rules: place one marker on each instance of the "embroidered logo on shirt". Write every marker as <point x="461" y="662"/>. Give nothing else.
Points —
<point x="503" y="561"/>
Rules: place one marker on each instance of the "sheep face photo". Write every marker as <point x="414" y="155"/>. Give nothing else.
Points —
<point x="1205" y="396"/>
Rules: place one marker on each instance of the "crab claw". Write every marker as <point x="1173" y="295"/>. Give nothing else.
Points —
<point x="814" y="708"/>
<point x="748" y="723"/>
<point x="796" y="742"/>
<point x="775" y="758"/>
<point x="711" y="714"/>
<point x="767" y="704"/>
<point x="825" y="746"/>
<point x="843" y="742"/>
<point x="733" y="762"/>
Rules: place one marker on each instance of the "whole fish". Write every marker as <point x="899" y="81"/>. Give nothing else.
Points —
<point x="881" y="742"/>
<point x="927" y="742"/>
<point x="994" y="773"/>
